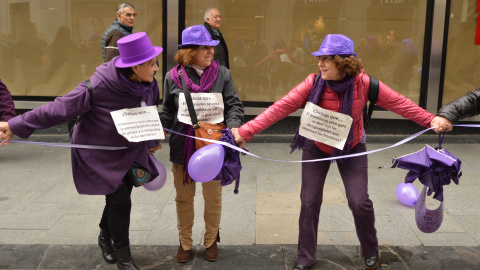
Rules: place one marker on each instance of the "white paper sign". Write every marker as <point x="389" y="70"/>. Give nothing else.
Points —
<point x="428" y="221"/>
<point x="325" y="126"/>
<point x="139" y="124"/>
<point x="208" y="106"/>
<point x="284" y="58"/>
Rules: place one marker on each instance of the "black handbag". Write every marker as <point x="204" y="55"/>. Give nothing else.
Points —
<point x="139" y="175"/>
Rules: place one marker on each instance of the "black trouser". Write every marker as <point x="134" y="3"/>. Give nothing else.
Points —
<point x="116" y="214"/>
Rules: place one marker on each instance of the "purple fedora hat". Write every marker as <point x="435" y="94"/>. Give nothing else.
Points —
<point x="135" y="49"/>
<point x="197" y="35"/>
<point x="336" y="44"/>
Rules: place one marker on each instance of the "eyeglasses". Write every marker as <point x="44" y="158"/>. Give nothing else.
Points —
<point x="325" y="59"/>
<point x="130" y="14"/>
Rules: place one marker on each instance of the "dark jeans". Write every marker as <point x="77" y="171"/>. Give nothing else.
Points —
<point x="116" y="214"/>
<point x="354" y="173"/>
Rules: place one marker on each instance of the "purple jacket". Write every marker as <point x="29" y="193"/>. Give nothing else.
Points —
<point x="7" y="107"/>
<point x="95" y="172"/>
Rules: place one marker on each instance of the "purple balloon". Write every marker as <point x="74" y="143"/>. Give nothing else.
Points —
<point x="160" y="180"/>
<point x="206" y="163"/>
<point x="407" y="194"/>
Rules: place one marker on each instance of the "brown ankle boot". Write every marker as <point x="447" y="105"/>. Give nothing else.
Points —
<point x="183" y="255"/>
<point x="212" y="252"/>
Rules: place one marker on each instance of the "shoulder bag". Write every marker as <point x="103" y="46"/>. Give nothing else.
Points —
<point x="202" y="129"/>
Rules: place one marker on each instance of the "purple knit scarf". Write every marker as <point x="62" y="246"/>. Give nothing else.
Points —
<point x="342" y="87"/>
<point x="207" y="80"/>
<point x="140" y="89"/>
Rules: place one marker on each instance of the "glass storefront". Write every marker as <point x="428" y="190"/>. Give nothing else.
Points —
<point x="47" y="47"/>
<point x="270" y="41"/>
<point x="462" y="68"/>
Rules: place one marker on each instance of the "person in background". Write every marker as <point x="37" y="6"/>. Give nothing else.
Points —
<point x="89" y="47"/>
<point x="65" y="55"/>
<point x="280" y="62"/>
<point x="7" y="108"/>
<point x="449" y="114"/>
<point x="213" y="21"/>
<point x="342" y="87"/>
<point x="121" y="27"/>
<point x="202" y="74"/>
<point x="406" y="59"/>
<point x="125" y="82"/>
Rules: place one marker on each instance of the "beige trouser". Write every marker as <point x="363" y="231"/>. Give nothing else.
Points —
<point x="212" y="194"/>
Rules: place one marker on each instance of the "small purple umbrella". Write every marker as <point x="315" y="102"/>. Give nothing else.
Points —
<point x="231" y="165"/>
<point x="434" y="167"/>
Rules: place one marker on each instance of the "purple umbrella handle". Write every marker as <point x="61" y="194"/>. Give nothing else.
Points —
<point x="441" y="135"/>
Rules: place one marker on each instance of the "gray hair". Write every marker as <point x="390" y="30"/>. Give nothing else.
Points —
<point x="208" y="12"/>
<point x="124" y="5"/>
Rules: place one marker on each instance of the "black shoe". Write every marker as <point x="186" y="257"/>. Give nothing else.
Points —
<point x="297" y="266"/>
<point x="124" y="259"/>
<point x="105" y="243"/>
<point x="372" y="261"/>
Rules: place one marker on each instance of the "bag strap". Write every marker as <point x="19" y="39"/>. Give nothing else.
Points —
<point x="372" y="97"/>
<point x="191" y="109"/>
<point x="72" y="124"/>
<point x="90" y="90"/>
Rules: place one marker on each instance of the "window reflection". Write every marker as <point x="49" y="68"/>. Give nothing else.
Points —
<point x="47" y="47"/>
<point x="270" y="41"/>
<point x="462" y="70"/>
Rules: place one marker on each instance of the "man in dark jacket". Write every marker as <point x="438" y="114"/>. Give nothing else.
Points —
<point x="465" y="106"/>
<point x="7" y="107"/>
<point x="213" y="20"/>
<point x="122" y="26"/>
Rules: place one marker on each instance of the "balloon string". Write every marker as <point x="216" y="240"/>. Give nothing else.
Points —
<point x="243" y="150"/>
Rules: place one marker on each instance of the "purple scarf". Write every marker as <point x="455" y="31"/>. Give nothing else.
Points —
<point x="342" y="87"/>
<point x="140" y="89"/>
<point x="207" y="80"/>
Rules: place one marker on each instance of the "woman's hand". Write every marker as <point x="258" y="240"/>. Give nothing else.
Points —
<point x="154" y="149"/>
<point x="6" y="134"/>
<point x="238" y="139"/>
<point x="441" y="124"/>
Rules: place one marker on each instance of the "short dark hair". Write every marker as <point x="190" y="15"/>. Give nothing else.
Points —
<point x="127" y="72"/>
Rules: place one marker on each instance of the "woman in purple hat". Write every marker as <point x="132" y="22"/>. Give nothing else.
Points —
<point x="341" y="92"/>
<point x="125" y="82"/>
<point x="201" y="74"/>
<point x="7" y="107"/>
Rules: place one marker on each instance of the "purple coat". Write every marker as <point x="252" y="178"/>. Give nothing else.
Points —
<point x="95" y="172"/>
<point x="7" y="107"/>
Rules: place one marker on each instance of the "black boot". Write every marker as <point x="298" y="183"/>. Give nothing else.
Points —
<point x="297" y="266"/>
<point x="124" y="259"/>
<point x="372" y="261"/>
<point x="105" y="243"/>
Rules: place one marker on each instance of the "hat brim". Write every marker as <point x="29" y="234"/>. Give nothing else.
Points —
<point x="212" y="43"/>
<point x="121" y="64"/>
<point x="318" y="53"/>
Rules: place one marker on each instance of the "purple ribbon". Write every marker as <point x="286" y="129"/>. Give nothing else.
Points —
<point x="246" y="152"/>
<point x="74" y="145"/>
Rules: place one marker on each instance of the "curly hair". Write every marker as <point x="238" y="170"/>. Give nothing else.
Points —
<point x="184" y="56"/>
<point x="349" y="65"/>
